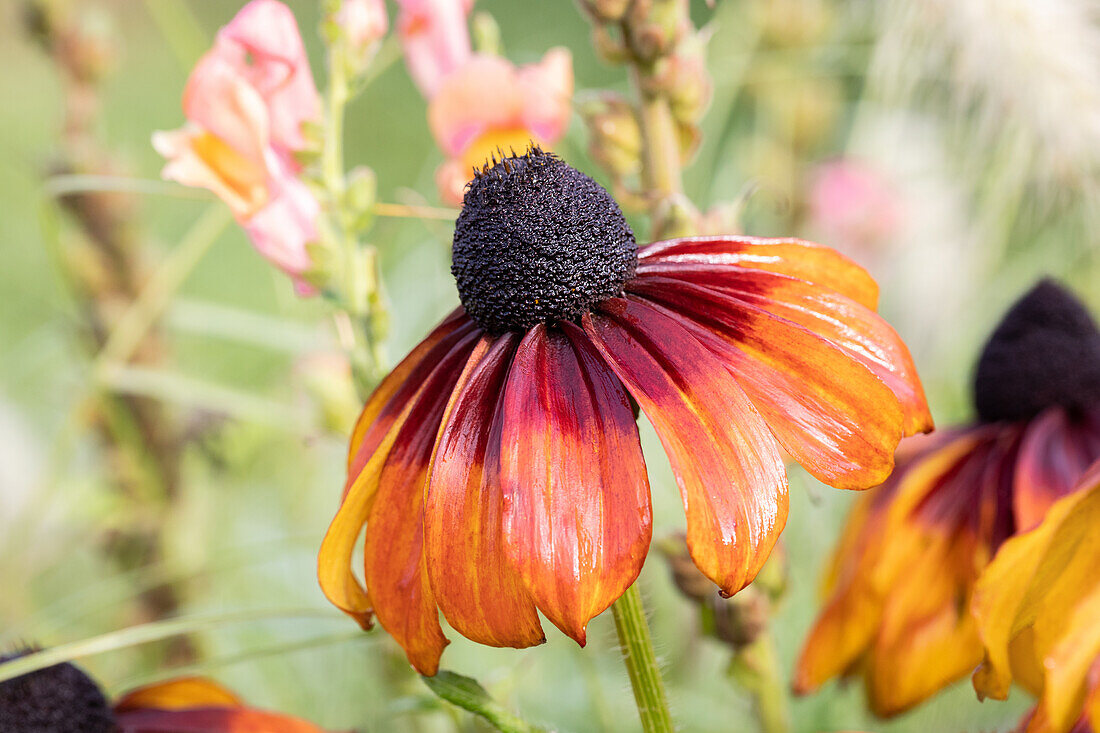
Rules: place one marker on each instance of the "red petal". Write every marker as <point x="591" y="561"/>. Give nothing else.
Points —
<point x="334" y="573"/>
<point x="832" y="316"/>
<point x="178" y="694"/>
<point x="804" y="260"/>
<point x="211" y="720"/>
<point x="831" y="413"/>
<point x="577" y="511"/>
<point x="725" y="459"/>
<point x="400" y="385"/>
<point x="1056" y="450"/>
<point x="475" y="585"/>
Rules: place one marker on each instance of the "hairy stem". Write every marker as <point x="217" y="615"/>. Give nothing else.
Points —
<point x="641" y="662"/>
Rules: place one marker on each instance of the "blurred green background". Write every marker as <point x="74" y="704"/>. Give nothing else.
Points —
<point x="995" y="183"/>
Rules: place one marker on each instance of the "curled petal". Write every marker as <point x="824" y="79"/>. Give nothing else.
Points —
<point x="394" y="550"/>
<point x="219" y="99"/>
<point x="797" y="258"/>
<point x="829" y="411"/>
<point x="577" y="514"/>
<point x="421" y="379"/>
<point x="476" y="587"/>
<point x="725" y="459"/>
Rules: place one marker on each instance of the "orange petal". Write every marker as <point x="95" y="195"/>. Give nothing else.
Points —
<point x="856" y="329"/>
<point x="828" y="410"/>
<point x="577" y="511"/>
<point x="211" y="720"/>
<point x="814" y="263"/>
<point x="725" y="459"/>
<point x="475" y="585"/>
<point x="399" y="386"/>
<point x="394" y="550"/>
<point x="1057" y="449"/>
<point x="1035" y="583"/>
<point x="179" y="693"/>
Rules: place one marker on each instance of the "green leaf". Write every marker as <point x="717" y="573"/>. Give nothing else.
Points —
<point x="468" y="694"/>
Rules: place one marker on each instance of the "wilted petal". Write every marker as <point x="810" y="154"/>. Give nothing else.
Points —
<point x="725" y="459"/>
<point x="476" y="587"/>
<point x="797" y="258"/>
<point x="577" y="511"/>
<point x="829" y="411"/>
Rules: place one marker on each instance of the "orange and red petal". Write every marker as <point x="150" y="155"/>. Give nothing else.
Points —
<point x="334" y="573"/>
<point x="400" y="385"/>
<point x="395" y="570"/>
<point x="474" y="583"/>
<point x="577" y="518"/>
<point x="178" y="694"/>
<point x="725" y="459"/>
<point x="843" y="322"/>
<point x="1056" y="450"/>
<point x="800" y="259"/>
<point x="830" y="412"/>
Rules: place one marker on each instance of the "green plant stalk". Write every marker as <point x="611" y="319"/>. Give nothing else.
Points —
<point x="641" y="662"/>
<point x="756" y="668"/>
<point x="360" y="298"/>
<point x="660" y="145"/>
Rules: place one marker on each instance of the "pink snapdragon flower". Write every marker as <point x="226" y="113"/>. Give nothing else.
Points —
<point x="435" y="38"/>
<point x="853" y="207"/>
<point x="363" y="21"/>
<point x="490" y="104"/>
<point x="245" y="103"/>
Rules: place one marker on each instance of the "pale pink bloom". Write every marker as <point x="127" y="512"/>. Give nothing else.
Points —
<point x="490" y="104"/>
<point x="363" y="21"/>
<point x="435" y="38"/>
<point x="263" y="44"/>
<point x="245" y="102"/>
<point x="853" y="206"/>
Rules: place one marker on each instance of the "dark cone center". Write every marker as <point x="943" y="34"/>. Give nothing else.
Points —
<point x="1045" y="352"/>
<point x="538" y="242"/>
<point x="58" y="699"/>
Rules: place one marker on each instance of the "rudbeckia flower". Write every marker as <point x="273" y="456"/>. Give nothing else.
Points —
<point x="63" y="699"/>
<point x="903" y="574"/>
<point x="489" y="104"/>
<point x="245" y="102"/>
<point x="498" y="469"/>
<point x="1038" y="612"/>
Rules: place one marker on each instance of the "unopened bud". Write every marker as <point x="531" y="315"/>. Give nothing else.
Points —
<point x="792" y="22"/>
<point x="486" y="34"/>
<point x="674" y="216"/>
<point x="614" y="137"/>
<point x="684" y="80"/>
<point x="655" y="27"/>
<point x="606" y="11"/>
<point x="362" y="23"/>
<point x="359" y="197"/>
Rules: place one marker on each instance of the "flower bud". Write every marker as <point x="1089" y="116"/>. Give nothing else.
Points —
<point x="655" y="27"/>
<point x="674" y="216"/>
<point x="788" y="23"/>
<point x="614" y="137"/>
<point x="362" y="23"/>
<point x="683" y="79"/>
<point x="605" y="11"/>
<point x="359" y="197"/>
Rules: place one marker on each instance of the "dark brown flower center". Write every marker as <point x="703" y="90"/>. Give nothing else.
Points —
<point x="1045" y="352"/>
<point x="58" y="699"/>
<point x="538" y="242"/>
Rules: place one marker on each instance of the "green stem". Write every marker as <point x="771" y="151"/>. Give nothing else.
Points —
<point x="641" y="662"/>
<point x="756" y="668"/>
<point x="660" y="144"/>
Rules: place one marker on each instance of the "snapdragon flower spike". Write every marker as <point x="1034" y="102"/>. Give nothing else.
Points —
<point x="498" y="469"/>
<point x="902" y="577"/>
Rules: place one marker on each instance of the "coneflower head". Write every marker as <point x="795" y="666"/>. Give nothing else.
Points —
<point x="1045" y="352"/>
<point x="538" y="242"/>
<point x="58" y="699"/>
